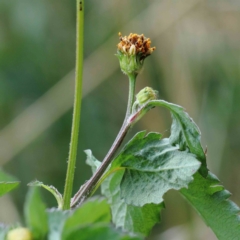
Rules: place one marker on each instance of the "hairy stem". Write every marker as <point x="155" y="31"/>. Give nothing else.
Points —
<point x="76" y="108"/>
<point x="87" y="189"/>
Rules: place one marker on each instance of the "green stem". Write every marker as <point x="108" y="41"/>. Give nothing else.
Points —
<point x="77" y="107"/>
<point x="90" y="186"/>
<point x="131" y="95"/>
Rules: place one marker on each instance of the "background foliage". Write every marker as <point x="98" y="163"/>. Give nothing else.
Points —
<point x="196" y="65"/>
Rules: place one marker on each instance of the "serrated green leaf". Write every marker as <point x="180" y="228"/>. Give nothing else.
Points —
<point x="92" y="211"/>
<point x="100" y="231"/>
<point x="184" y="132"/>
<point x="35" y="214"/>
<point x="51" y="189"/>
<point x="212" y="203"/>
<point x="152" y="167"/>
<point x="6" y="187"/>
<point x="129" y="218"/>
<point x="56" y="222"/>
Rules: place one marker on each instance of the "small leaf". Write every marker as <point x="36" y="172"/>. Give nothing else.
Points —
<point x="100" y="231"/>
<point x="56" y="222"/>
<point x="6" y="187"/>
<point x="153" y="167"/>
<point x="92" y="211"/>
<point x="212" y="203"/>
<point x="51" y="189"/>
<point x="184" y="132"/>
<point x="35" y="214"/>
<point x="91" y="160"/>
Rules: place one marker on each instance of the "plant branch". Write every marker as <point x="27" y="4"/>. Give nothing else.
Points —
<point x="89" y="186"/>
<point x="76" y="108"/>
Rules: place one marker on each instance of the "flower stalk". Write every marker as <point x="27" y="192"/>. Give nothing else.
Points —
<point x="131" y="94"/>
<point x="132" y="50"/>
<point x="76" y="108"/>
<point x="89" y="187"/>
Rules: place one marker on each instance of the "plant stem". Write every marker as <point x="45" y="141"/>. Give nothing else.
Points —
<point x="89" y="186"/>
<point x="132" y="83"/>
<point x="76" y="108"/>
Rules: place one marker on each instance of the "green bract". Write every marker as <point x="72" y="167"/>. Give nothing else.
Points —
<point x="130" y="64"/>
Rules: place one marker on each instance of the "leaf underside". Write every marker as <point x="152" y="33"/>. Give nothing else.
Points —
<point x="211" y="201"/>
<point x="51" y="189"/>
<point x="56" y="222"/>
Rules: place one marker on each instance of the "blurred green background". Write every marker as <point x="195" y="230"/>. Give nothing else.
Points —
<point x="196" y="64"/>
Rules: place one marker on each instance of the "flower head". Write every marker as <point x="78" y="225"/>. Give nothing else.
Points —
<point x="135" y="44"/>
<point x="132" y="50"/>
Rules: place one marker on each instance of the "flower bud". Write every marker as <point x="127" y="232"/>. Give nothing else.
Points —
<point x="132" y="50"/>
<point x="19" y="234"/>
<point x="145" y="95"/>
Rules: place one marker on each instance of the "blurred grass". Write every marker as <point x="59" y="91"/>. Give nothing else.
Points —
<point x="196" y="65"/>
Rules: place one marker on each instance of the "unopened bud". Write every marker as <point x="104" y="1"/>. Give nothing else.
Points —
<point x="146" y="94"/>
<point x="19" y="234"/>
